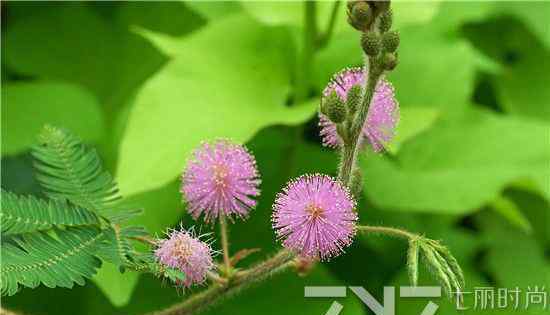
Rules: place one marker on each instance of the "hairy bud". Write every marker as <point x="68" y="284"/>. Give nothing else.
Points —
<point x="390" y="41"/>
<point x="335" y="109"/>
<point x="360" y="15"/>
<point x="354" y="98"/>
<point x="386" y="20"/>
<point x="389" y="62"/>
<point x="370" y="42"/>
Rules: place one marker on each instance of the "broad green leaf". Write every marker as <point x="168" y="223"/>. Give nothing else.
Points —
<point x="170" y="17"/>
<point x="27" y="107"/>
<point x="521" y="82"/>
<point x="515" y="259"/>
<point x="426" y="57"/>
<point x="205" y="93"/>
<point x="408" y="13"/>
<point x="70" y="41"/>
<point x="212" y="10"/>
<point x="117" y="286"/>
<point x="413" y="121"/>
<point x="534" y="14"/>
<point x="458" y="167"/>
<point x="510" y="211"/>
<point x="523" y="87"/>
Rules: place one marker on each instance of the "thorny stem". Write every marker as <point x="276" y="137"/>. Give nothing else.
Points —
<point x="217" y="292"/>
<point x="225" y="245"/>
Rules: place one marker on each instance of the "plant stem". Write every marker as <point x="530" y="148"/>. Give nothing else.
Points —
<point x="303" y="72"/>
<point x="225" y="245"/>
<point x="353" y="146"/>
<point x="395" y="232"/>
<point x="201" y="301"/>
<point x="323" y="41"/>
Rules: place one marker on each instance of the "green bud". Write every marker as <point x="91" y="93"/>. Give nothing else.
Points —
<point x="334" y="108"/>
<point x="386" y="20"/>
<point x="370" y="42"/>
<point x="390" y="41"/>
<point x="389" y="62"/>
<point x="354" y="98"/>
<point x="380" y="5"/>
<point x="360" y="15"/>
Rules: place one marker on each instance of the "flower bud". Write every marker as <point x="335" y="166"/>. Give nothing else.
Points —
<point x="389" y="62"/>
<point x="390" y="41"/>
<point x="354" y="98"/>
<point x="386" y="20"/>
<point x="335" y="109"/>
<point x="380" y="5"/>
<point x="360" y="16"/>
<point x="370" y="42"/>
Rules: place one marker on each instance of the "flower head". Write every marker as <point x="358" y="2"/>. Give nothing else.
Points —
<point x="183" y="251"/>
<point x="382" y="117"/>
<point x="314" y="216"/>
<point x="220" y="180"/>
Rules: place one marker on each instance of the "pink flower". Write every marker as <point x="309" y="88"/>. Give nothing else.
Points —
<point x="220" y="180"/>
<point x="382" y="118"/>
<point x="314" y="216"/>
<point x="187" y="253"/>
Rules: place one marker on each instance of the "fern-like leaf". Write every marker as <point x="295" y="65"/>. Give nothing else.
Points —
<point x="116" y="246"/>
<point x="56" y="259"/>
<point x="68" y="169"/>
<point x="24" y="214"/>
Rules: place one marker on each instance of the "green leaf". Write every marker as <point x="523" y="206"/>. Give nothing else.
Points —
<point x="34" y="258"/>
<point x="69" y="170"/>
<point x="509" y="210"/>
<point x="413" y="121"/>
<point x="522" y="88"/>
<point x="27" y="107"/>
<point x="23" y="214"/>
<point x="426" y="57"/>
<point x="118" y="287"/>
<point x="235" y="91"/>
<point x="100" y="54"/>
<point x="458" y="167"/>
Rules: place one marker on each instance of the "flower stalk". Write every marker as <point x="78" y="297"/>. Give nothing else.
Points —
<point x="224" y="235"/>
<point x="219" y="291"/>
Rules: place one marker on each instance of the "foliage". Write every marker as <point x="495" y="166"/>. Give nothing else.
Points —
<point x="471" y="83"/>
<point x="58" y="242"/>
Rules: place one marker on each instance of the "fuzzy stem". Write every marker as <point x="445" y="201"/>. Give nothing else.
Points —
<point x="395" y="232"/>
<point x="353" y="146"/>
<point x="217" y="292"/>
<point x="225" y="245"/>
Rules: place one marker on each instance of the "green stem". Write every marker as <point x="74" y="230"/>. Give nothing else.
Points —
<point x="225" y="245"/>
<point x="217" y="292"/>
<point x="395" y="232"/>
<point x="303" y="73"/>
<point x="323" y="41"/>
<point x="351" y="149"/>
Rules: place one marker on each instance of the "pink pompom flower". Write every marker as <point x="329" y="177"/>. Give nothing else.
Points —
<point x="314" y="216"/>
<point x="187" y="253"/>
<point x="220" y="180"/>
<point x="382" y="117"/>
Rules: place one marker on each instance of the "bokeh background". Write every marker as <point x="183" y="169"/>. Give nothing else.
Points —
<point x="145" y="82"/>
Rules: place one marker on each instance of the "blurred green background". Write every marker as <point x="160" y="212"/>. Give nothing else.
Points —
<point x="146" y="82"/>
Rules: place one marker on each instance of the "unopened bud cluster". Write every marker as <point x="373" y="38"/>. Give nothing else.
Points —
<point x="374" y="20"/>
